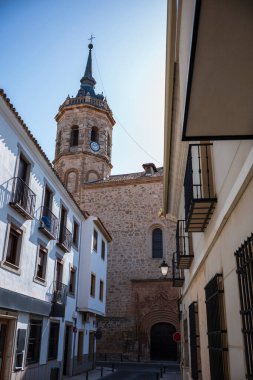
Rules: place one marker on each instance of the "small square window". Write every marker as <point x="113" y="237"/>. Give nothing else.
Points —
<point x="103" y="250"/>
<point x="93" y="285"/>
<point x="14" y="247"/>
<point x="101" y="291"/>
<point x="95" y="240"/>
<point x="75" y="233"/>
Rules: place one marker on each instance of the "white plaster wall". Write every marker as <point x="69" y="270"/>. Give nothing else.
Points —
<point x="91" y="262"/>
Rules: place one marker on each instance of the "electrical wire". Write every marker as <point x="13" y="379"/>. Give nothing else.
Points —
<point x="118" y="121"/>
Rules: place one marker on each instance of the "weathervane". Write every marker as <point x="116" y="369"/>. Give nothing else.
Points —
<point x="91" y="38"/>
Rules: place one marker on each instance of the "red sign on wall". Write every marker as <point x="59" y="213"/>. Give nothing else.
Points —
<point x="177" y="337"/>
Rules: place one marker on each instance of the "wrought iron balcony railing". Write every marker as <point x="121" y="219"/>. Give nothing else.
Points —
<point x="65" y="239"/>
<point x="199" y="192"/>
<point x="59" y="292"/>
<point x="184" y="246"/>
<point x="177" y="274"/>
<point x="48" y="223"/>
<point x="23" y="198"/>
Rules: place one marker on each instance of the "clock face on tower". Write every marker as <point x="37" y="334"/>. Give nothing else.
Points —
<point x="94" y="146"/>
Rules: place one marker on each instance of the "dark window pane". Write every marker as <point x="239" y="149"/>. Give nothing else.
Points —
<point x="103" y="250"/>
<point x="33" y="349"/>
<point x="94" y="134"/>
<point x="53" y="340"/>
<point x="157" y="243"/>
<point x="75" y="233"/>
<point x="95" y="240"/>
<point x="93" y="284"/>
<point x="72" y="281"/>
<point x="74" y="136"/>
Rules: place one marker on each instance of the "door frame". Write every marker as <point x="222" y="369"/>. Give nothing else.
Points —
<point x="69" y="362"/>
<point x="9" y="352"/>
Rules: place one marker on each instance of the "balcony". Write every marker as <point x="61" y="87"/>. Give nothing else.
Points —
<point x="65" y="239"/>
<point x="200" y="199"/>
<point x="23" y="198"/>
<point x="59" y="297"/>
<point x="184" y="247"/>
<point x="177" y="274"/>
<point x="48" y="223"/>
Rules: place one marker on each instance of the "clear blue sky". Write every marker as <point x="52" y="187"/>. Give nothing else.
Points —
<point x="44" y="50"/>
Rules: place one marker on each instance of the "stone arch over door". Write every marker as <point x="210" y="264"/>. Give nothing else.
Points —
<point x="71" y="180"/>
<point x="162" y="345"/>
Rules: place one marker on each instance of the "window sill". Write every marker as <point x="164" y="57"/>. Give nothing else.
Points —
<point x="10" y="267"/>
<point x="39" y="281"/>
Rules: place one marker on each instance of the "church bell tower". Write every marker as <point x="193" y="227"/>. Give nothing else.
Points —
<point x="84" y="135"/>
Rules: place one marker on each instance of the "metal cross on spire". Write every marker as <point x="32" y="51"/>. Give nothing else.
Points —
<point x="91" y="38"/>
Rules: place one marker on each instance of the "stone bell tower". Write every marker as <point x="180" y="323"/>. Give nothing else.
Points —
<point x="84" y="135"/>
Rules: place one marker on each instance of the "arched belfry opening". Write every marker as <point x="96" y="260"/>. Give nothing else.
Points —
<point x="162" y="345"/>
<point x="94" y="134"/>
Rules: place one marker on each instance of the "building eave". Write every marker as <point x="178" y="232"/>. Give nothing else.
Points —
<point x="169" y="85"/>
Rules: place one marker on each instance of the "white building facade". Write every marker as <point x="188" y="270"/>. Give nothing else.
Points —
<point x="209" y="183"/>
<point x="45" y="261"/>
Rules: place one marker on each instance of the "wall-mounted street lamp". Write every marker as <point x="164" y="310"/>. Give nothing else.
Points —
<point x="164" y="269"/>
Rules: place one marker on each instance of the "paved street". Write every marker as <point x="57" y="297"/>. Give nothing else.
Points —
<point x="133" y="371"/>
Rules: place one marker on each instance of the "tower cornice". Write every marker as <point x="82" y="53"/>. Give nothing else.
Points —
<point x="80" y="103"/>
<point x="98" y="156"/>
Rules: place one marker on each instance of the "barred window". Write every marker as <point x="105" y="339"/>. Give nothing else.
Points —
<point x="157" y="243"/>
<point x="53" y="340"/>
<point x="34" y="340"/>
<point x="194" y="341"/>
<point x="216" y="328"/>
<point x="244" y="260"/>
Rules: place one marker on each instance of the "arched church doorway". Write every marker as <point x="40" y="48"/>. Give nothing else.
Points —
<point x="162" y="345"/>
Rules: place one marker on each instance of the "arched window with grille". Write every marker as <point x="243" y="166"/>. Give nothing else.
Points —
<point x="94" y="134"/>
<point x="157" y="243"/>
<point x="74" y="135"/>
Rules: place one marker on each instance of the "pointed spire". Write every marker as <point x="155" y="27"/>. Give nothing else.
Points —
<point x="88" y="78"/>
<point x="88" y="82"/>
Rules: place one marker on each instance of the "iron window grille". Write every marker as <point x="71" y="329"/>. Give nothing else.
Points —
<point x="216" y="328"/>
<point x="184" y="246"/>
<point x="244" y="263"/>
<point x="53" y="341"/>
<point x="59" y="292"/>
<point x="48" y="223"/>
<point x="23" y="198"/>
<point x="34" y="341"/>
<point x="177" y="274"/>
<point x="65" y="239"/>
<point x="199" y="193"/>
<point x="194" y="341"/>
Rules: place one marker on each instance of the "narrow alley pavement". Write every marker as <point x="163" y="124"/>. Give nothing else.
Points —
<point x="133" y="371"/>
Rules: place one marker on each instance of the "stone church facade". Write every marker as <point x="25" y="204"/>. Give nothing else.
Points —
<point x="141" y="306"/>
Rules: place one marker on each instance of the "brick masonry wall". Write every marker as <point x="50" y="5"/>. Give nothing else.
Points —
<point x="130" y="211"/>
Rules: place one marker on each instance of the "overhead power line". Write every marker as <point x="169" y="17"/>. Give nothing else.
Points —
<point x="118" y="121"/>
